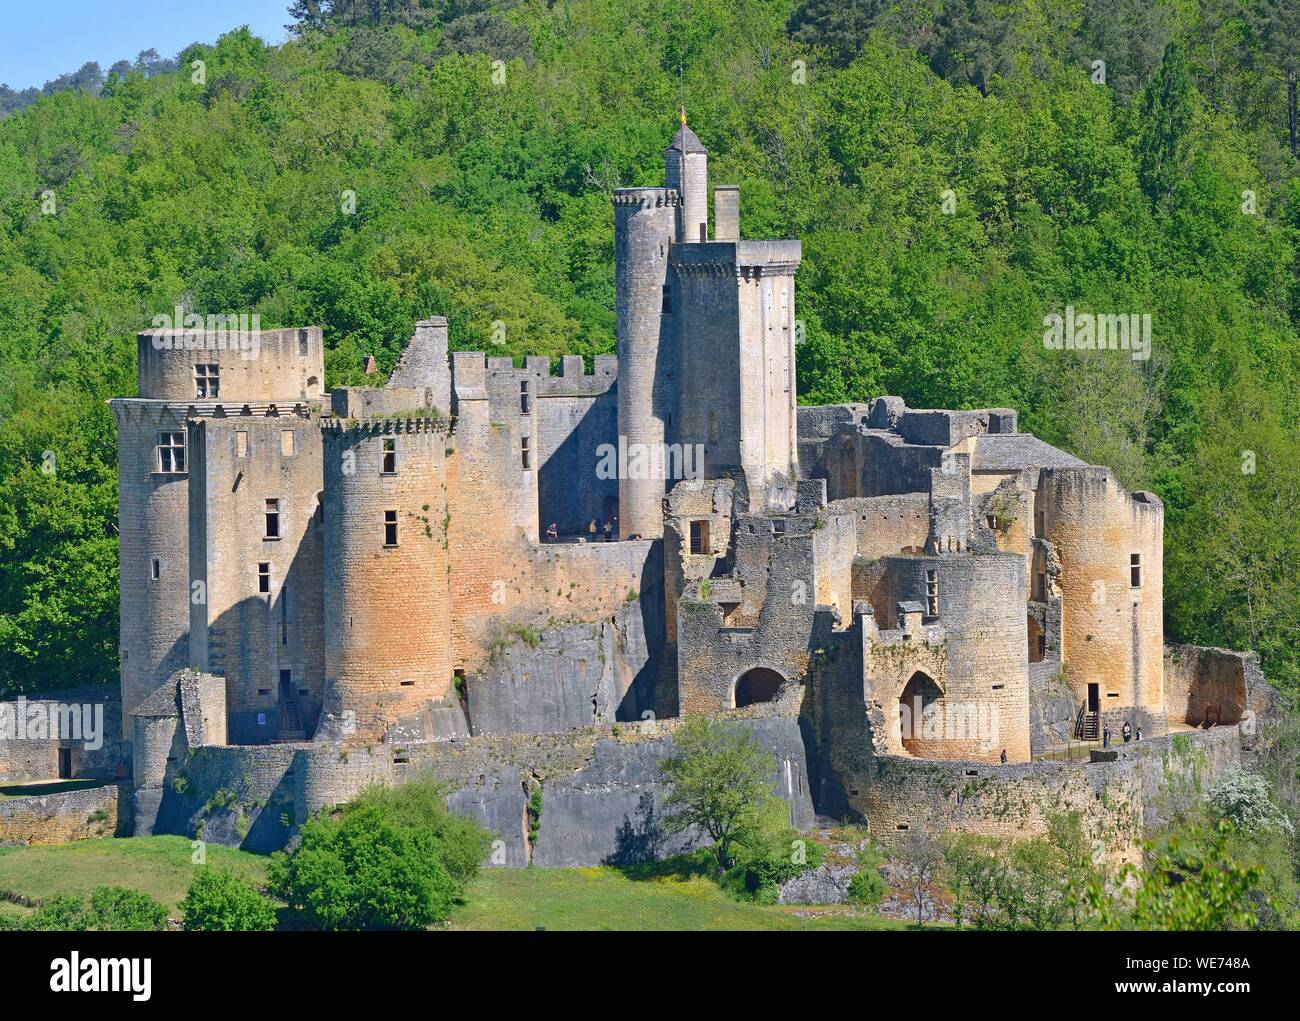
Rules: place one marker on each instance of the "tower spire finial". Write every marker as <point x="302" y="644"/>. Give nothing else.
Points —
<point x="681" y="80"/>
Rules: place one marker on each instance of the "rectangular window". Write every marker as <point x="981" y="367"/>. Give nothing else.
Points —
<point x="156" y="568"/>
<point x="668" y="301"/>
<point x="171" y="453"/>
<point x="263" y="577"/>
<point x="390" y="528"/>
<point x="700" y="545"/>
<point x="389" y="466"/>
<point x="207" y="380"/>
<point x="525" y="401"/>
<point x="932" y="593"/>
<point x="302" y="343"/>
<point x="272" y="519"/>
<point x="241" y="443"/>
<point x="524" y="453"/>
<point x="1135" y="570"/>
<point x="286" y="443"/>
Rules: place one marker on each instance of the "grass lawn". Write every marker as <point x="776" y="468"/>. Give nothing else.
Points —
<point x="606" y="898"/>
<point x="158" y="866"/>
<point x="30" y="789"/>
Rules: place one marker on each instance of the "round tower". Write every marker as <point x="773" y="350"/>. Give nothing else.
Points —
<point x="387" y="612"/>
<point x="645" y="223"/>
<point x="1111" y="545"/>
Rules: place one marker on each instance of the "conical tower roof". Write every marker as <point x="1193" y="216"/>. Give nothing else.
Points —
<point x="685" y="141"/>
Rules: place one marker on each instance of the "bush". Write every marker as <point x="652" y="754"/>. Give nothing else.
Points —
<point x="219" y="901"/>
<point x="111" y="909"/>
<point x="367" y="869"/>
<point x="1246" y="800"/>
<point x="867" y="887"/>
<point x="767" y="852"/>
<point x="462" y="843"/>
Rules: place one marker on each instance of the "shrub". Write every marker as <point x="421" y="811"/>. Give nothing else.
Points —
<point x="111" y="909"/>
<point x="363" y="870"/>
<point x="219" y="901"/>
<point x="867" y="887"/>
<point x="1246" y="800"/>
<point x="768" y="852"/>
<point x="422" y="804"/>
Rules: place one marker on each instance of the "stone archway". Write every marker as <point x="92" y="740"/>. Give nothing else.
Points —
<point x="760" y="684"/>
<point x="919" y="693"/>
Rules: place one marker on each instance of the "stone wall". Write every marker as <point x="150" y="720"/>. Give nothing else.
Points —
<point x="59" y="818"/>
<point x="1207" y="684"/>
<point x="1120" y="802"/>
<point x="601" y="796"/>
<point x="36" y="756"/>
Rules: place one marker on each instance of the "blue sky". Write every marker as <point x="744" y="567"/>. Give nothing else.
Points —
<point x="42" y="39"/>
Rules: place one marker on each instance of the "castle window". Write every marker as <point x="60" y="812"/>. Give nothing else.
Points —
<point x="1135" y="570"/>
<point x="171" y="453"/>
<point x="667" y="308"/>
<point x="700" y="545"/>
<point x="241" y="443"/>
<point x="525" y="402"/>
<point x="932" y="593"/>
<point x="390" y="528"/>
<point x="263" y="577"/>
<point x="156" y="569"/>
<point x="524" y="452"/>
<point x="778" y="526"/>
<point x="272" y="519"/>
<point x="302" y="343"/>
<point x="389" y="456"/>
<point x="286" y="443"/>
<point x="207" y="380"/>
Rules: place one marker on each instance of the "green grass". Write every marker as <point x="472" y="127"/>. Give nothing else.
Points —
<point x="607" y="898"/>
<point x="9" y="791"/>
<point x="158" y="866"/>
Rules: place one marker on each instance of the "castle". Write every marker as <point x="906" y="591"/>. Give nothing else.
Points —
<point x="416" y="566"/>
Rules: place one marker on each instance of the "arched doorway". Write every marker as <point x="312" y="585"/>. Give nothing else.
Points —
<point x="919" y="694"/>
<point x="757" y="685"/>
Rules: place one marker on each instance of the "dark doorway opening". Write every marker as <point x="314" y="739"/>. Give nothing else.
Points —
<point x="65" y="763"/>
<point x="757" y="685"/>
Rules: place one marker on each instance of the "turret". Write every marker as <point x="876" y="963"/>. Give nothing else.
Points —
<point x="686" y="171"/>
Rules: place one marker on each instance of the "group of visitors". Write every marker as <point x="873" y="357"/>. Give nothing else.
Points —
<point x="553" y="533"/>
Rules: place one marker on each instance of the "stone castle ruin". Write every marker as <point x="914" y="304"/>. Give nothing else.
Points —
<point x="322" y="589"/>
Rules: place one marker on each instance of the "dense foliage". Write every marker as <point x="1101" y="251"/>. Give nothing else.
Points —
<point x="392" y="859"/>
<point x="108" y="909"/>
<point x="956" y="173"/>
<point x="220" y="901"/>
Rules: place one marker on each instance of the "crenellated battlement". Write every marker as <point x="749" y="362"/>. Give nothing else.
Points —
<point x="335" y="427"/>
<point x="646" y="198"/>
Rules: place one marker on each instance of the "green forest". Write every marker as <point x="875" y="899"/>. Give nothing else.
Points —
<point x="958" y="170"/>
